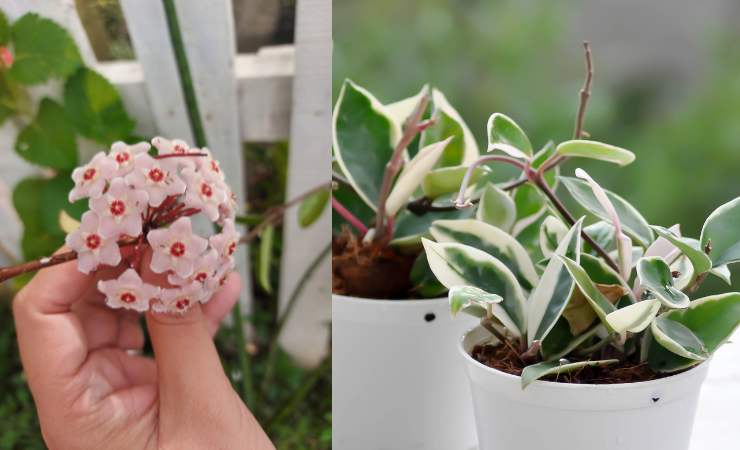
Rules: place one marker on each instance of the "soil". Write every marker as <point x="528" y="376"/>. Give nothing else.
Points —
<point x="371" y="270"/>
<point x="501" y="357"/>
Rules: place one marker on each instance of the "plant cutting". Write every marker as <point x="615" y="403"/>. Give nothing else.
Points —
<point x="607" y="321"/>
<point x="394" y="163"/>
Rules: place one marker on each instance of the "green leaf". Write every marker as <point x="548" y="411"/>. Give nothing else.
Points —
<point x="595" y="150"/>
<point x="722" y="228"/>
<point x="4" y="29"/>
<point x="602" y="233"/>
<point x="38" y="240"/>
<point x="539" y="370"/>
<point x="54" y="198"/>
<point x="552" y="232"/>
<point x="408" y="228"/>
<point x="503" y="130"/>
<point x="496" y="207"/>
<point x="635" y="317"/>
<point x="550" y="297"/>
<point x="364" y="139"/>
<point x="722" y="272"/>
<point x="50" y="139"/>
<point x="530" y="202"/>
<point x="423" y="279"/>
<point x="348" y="197"/>
<point x="491" y="240"/>
<point x="566" y="341"/>
<point x="312" y="206"/>
<point x="446" y="180"/>
<point x="463" y="149"/>
<point x="600" y="304"/>
<point x="462" y="265"/>
<point x="95" y="107"/>
<point x="678" y="338"/>
<point x="463" y="298"/>
<point x="655" y="275"/>
<point x="265" y="258"/>
<point x="43" y="50"/>
<point x="632" y="221"/>
<point x="689" y="247"/>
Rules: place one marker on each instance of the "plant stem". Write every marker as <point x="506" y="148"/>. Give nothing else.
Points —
<point x="585" y="92"/>
<point x="460" y="201"/>
<point x="348" y="216"/>
<point x="412" y="127"/>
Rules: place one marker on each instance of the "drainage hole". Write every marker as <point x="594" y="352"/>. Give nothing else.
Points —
<point x="429" y="317"/>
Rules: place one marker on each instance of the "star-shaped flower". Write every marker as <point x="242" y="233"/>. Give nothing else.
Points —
<point x="177" y="147"/>
<point x="128" y="291"/>
<point x="120" y="209"/>
<point x="178" y="300"/>
<point x="123" y="155"/>
<point x="203" y="193"/>
<point x="91" y="179"/>
<point x="91" y="246"/>
<point x="176" y="248"/>
<point x="209" y="167"/>
<point x="157" y="177"/>
<point x="204" y="269"/>
<point x="226" y="241"/>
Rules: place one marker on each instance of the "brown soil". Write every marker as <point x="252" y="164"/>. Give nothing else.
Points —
<point x="503" y="358"/>
<point x="370" y="270"/>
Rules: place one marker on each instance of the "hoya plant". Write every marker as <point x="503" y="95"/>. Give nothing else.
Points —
<point x="397" y="167"/>
<point x="613" y="299"/>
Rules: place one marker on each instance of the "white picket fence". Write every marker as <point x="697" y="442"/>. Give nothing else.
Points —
<point x="277" y="93"/>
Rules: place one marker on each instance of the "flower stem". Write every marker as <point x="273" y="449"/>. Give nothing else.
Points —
<point x="348" y="216"/>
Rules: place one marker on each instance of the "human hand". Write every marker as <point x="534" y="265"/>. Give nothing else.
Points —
<point x="91" y="389"/>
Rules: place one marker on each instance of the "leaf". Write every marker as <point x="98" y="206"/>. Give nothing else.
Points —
<point x="550" y="297"/>
<point x="662" y="247"/>
<point x="552" y="232"/>
<point x="602" y="233"/>
<point x="634" y="224"/>
<point x="463" y="149"/>
<point x="67" y="223"/>
<point x="656" y="276"/>
<point x="265" y="258"/>
<point x="4" y="29"/>
<point x="54" y="198"/>
<point x="408" y="228"/>
<point x="401" y="110"/>
<point x="501" y="129"/>
<point x="424" y="282"/>
<point x="43" y="50"/>
<point x="37" y="240"/>
<point x="722" y="228"/>
<point x="600" y="304"/>
<point x="595" y="150"/>
<point x="567" y="342"/>
<point x="470" y="297"/>
<point x="678" y="338"/>
<point x="530" y="202"/>
<point x="462" y="265"/>
<point x="496" y="207"/>
<point x="635" y="317"/>
<point x="348" y="197"/>
<point x="412" y="175"/>
<point x="364" y="138"/>
<point x="539" y="370"/>
<point x="50" y="139"/>
<point x="722" y="272"/>
<point x="312" y="207"/>
<point x="95" y="107"/>
<point x="446" y="180"/>
<point x="491" y="240"/>
<point x="689" y="247"/>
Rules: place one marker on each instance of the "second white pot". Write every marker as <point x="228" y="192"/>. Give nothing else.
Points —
<point x="650" y="415"/>
<point x="397" y="380"/>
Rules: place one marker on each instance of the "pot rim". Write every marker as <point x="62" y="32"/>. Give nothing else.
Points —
<point x="573" y="386"/>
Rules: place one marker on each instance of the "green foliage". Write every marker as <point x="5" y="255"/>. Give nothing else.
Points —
<point x="539" y="370"/>
<point x="312" y="207"/>
<point x="503" y="130"/>
<point x="655" y="275"/>
<point x="4" y="29"/>
<point x="50" y="139"/>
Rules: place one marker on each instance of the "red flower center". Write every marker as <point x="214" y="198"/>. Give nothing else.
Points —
<point x="214" y="166"/>
<point x="156" y="175"/>
<point x="230" y="249"/>
<point x="128" y="297"/>
<point x="178" y="149"/>
<point x="182" y="303"/>
<point x="206" y="190"/>
<point x="177" y="249"/>
<point x="117" y="207"/>
<point x="92" y="241"/>
<point x="201" y="277"/>
<point x="89" y="174"/>
<point x="122" y="157"/>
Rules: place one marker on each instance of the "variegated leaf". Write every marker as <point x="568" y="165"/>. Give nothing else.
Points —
<point x="463" y="149"/>
<point x="581" y="148"/>
<point x="496" y="207"/>
<point x="721" y="229"/>
<point x="655" y="275"/>
<point x="635" y="317"/>
<point x="472" y="300"/>
<point x="504" y="133"/>
<point x="678" y="338"/>
<point x="447" y="180"/>
<point x="539" y="370"/>
<point x="552" y="232"/>
<point x="689" y="247"/>
<point x="600" y="304"/>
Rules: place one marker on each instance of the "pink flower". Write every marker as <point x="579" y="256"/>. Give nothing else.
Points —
<point x="120" y="209"/>
<point x="204" y="269"/>
<point x="213" y="284"/>
<point x="176" y="248"/>
<point x="178" y="300"/>
<point x="226" y="241"/>
<point x="90" y="179"/>
<point x="227" y="209"/>
<point x="157" y="177"/>
<point x="203" y="193"/>
<point x="178" y="147"/>
<point x="128" y="291"/>
<point x="209" y="167"/>
<point x="123" y="155"/>
<point x="92" y="248"/>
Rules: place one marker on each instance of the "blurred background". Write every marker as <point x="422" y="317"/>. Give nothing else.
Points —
<point x="667" y="83"/>
<point x="287" y="385"/>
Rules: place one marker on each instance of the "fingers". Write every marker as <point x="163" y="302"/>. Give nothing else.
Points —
<point x="221" y="302"/>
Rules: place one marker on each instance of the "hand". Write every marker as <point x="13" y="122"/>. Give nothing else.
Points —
<point x="92" y="391"/>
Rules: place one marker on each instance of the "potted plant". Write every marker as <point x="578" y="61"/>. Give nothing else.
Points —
<point x="395" y="380"/>
<point x="606" y="348"/>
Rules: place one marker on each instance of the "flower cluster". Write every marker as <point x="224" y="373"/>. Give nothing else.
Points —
<point x="138" y="200"/>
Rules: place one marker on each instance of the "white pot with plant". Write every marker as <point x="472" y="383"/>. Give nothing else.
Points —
<point x="396" y="379"/>
<point x="606" y="349"/>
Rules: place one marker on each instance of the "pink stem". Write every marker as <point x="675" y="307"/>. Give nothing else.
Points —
<point x="348" y="216"/>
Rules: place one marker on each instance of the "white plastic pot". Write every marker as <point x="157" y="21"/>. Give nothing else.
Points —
<point x="397" y="380"/>
<point x="650" y="415"/>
